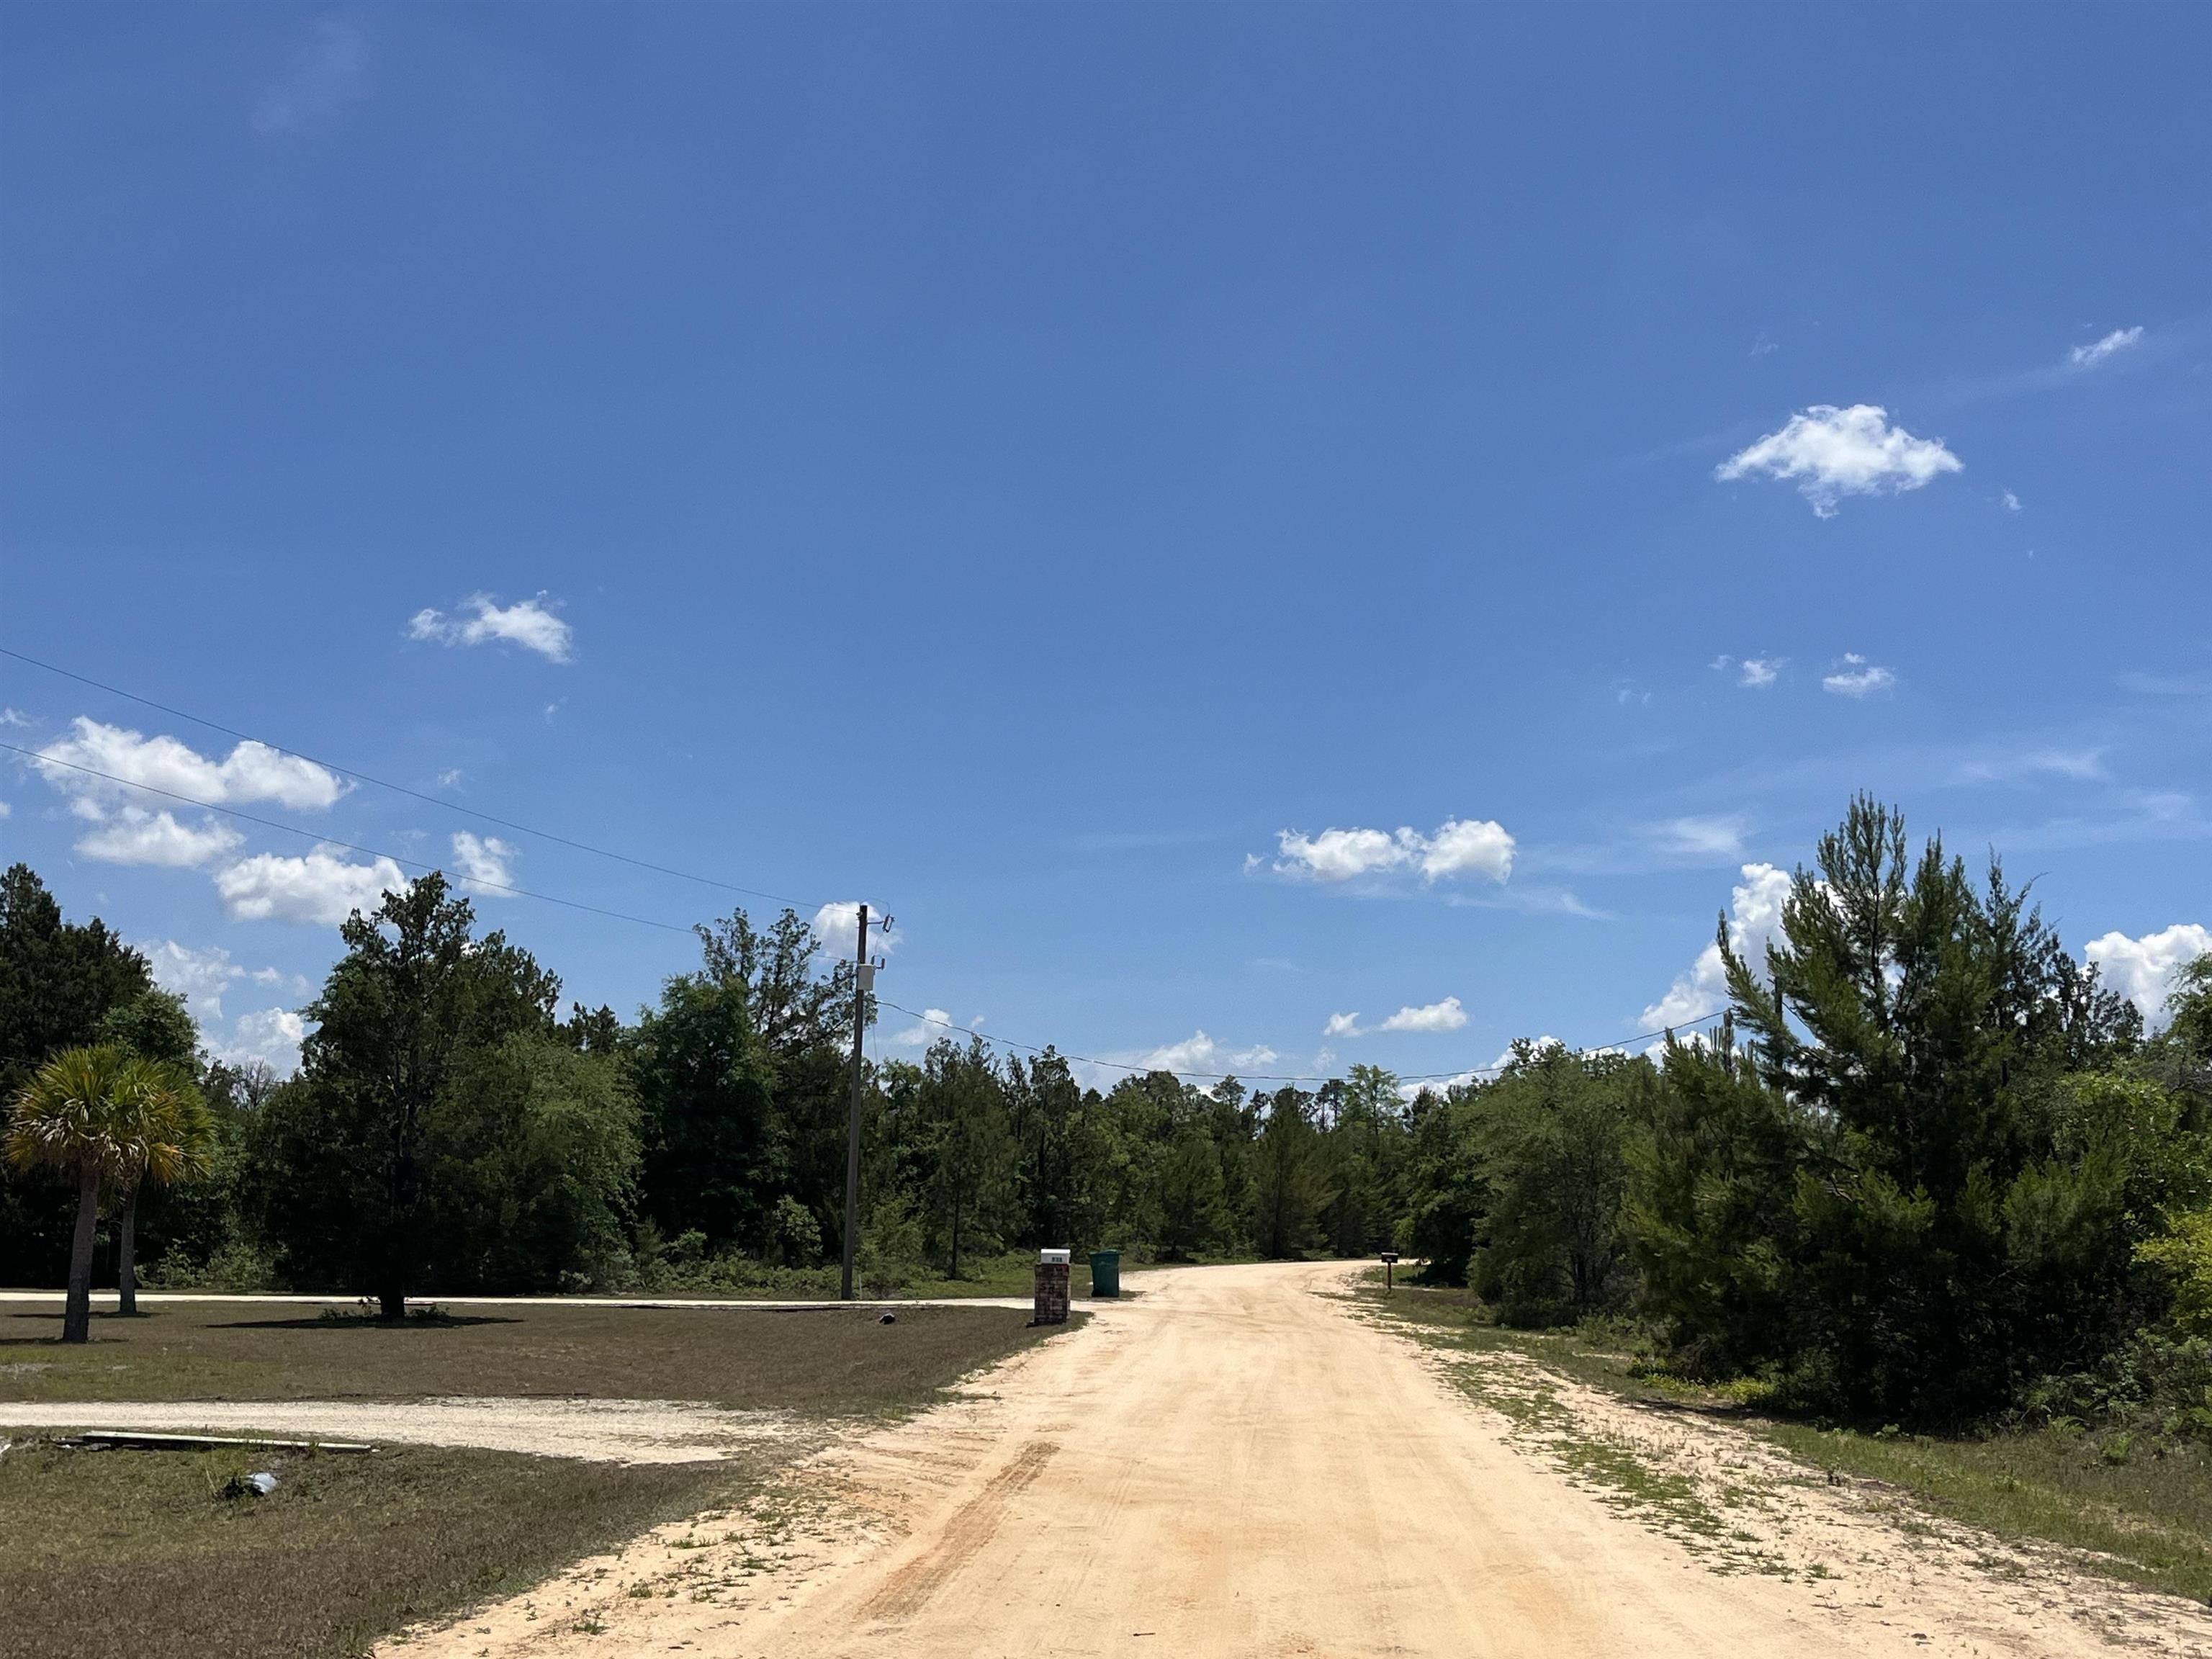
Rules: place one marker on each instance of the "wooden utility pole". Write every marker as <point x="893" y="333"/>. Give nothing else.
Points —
<point x="860" y="977"/>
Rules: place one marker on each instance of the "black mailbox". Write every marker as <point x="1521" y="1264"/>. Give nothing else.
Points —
<point x="1390" y="1257"/>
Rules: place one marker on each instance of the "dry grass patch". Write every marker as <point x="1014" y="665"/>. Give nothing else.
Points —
<point x="829" y="1362"/>
<point x="140" y="1555"/>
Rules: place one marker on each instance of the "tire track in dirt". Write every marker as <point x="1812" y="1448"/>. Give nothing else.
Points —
<point x="967" y="1532"/>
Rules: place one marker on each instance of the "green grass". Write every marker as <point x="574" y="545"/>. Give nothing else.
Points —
<point x="2147" y="1520"/>
<point x="137" y="1555"/>
<point x="825" y="1362"/>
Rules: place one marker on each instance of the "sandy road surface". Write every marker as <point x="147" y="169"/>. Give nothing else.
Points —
<point x="1234" y="1466"/>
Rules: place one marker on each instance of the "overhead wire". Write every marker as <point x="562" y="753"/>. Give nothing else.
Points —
<point x="322" y="839"/>
<point x="404" y="789"/>
<point x="43" y="759"/>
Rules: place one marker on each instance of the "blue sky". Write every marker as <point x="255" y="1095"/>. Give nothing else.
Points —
<point x="1043" y="470"/>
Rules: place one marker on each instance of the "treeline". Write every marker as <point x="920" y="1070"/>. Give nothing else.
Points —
<point x="451" y="1130"/>
<point x="1928" y="1170"/>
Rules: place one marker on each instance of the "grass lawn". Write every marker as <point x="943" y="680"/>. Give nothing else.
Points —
<point x="139" y="1555"/>
<point x="821" y="1362"/>
<point x="2148" y="1520"/>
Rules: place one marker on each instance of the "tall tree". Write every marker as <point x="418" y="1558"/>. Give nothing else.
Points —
<point x="1953" y="1229"/>
<point x="1288" y="1184"/>
<point x="155" y="1026"/>
<point x="1551" y="1134"/>
<point x="170" y="1137"/>
<point x="715" y="1153"/>
<point x="89" y="1112"/>
<point x="344" y="1192"/>
<point x="57" y="982"/>
<point x="962" y="1151"/>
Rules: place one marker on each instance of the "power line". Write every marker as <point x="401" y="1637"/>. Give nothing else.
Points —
<point x="403" y="789"/>
<point x="620" y="858"/>
<point x="328" y="840"/>
<point x="1265" y="1077"/>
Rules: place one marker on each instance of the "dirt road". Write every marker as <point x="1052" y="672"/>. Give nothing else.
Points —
<point x="1239" y="1466"/>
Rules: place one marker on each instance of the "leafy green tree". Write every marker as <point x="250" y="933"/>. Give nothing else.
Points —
<point x="1710" y="1210"/>
<point x="342" y="1185"/>
<point x="1948" y="1235"/>
<point x="58" y="981"/>
<point x="1447" y="1195"/>
<point x="715" y="1151"/>
<point x="89" y="1112"/>
<point x="531" y="1159"/>
<point x="1194" y="1209"/>
<point x="798" y="1006"/>
<point x="1290" y="1183"/>
<point x="1551" y="1134"/>
<point x="171" y="1140"/>
<point x="1042" y="1106"/>
<point x="155" y="1026"/>
<point x="1367" y="1148"/>
<point x="962" y="1151"/>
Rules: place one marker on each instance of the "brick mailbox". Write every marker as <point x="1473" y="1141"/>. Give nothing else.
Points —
<point x="1051" y="1288"/>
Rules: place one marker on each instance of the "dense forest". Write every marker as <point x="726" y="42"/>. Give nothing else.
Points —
<point x="1928" y="1171"/>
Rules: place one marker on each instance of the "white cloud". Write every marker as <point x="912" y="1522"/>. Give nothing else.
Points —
<point x="1714" y="837"/>
<point x="1343" y="854"/>
<point x="2012" y="503"/>
<point x="1754" y="921"/>
<point x="1411" y="1092"/>
<point x="450" y="778"/>
<point x="1857" y="677"/>
<point x="271" y="1037"/>
<point x="934" y="1022"/>
<point x="14" y="717"/>
<point x="2142" y="970"/>
<point x="2089" y="356"/>
<point x="1469" y="847"/>
<point x="200" y="977"/>
<point x="329" y="71"/>
<point x="529" y="623"/>
<point x="1445" y="1016"/>
<point x="935" y="1025"/>
<point x="321" y="887"/>
<point x="131" y="834"/>
<point x="251" y="772"/>
<point x="486" y="864"/>
<point x="837" y="927"/>
<point x="1200" y="1052"/>
<point x="1833" y="453"/>
<point x="6" y="811"/>
<point x="1759" y="672"/>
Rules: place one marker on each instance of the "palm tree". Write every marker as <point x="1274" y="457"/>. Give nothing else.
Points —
<point x="165" y="1135"/>
<point x="67" y="1118"/>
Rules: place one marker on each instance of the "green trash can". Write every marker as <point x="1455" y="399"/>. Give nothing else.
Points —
<point x="1105" y="1272"/>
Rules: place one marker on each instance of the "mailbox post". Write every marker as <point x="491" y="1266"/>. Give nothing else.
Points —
<point x="1390" y="1263"/>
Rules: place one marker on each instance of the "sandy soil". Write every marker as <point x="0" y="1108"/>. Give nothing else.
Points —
<point x="600" y="1430"/>
<point x="1240" y="1465"/>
